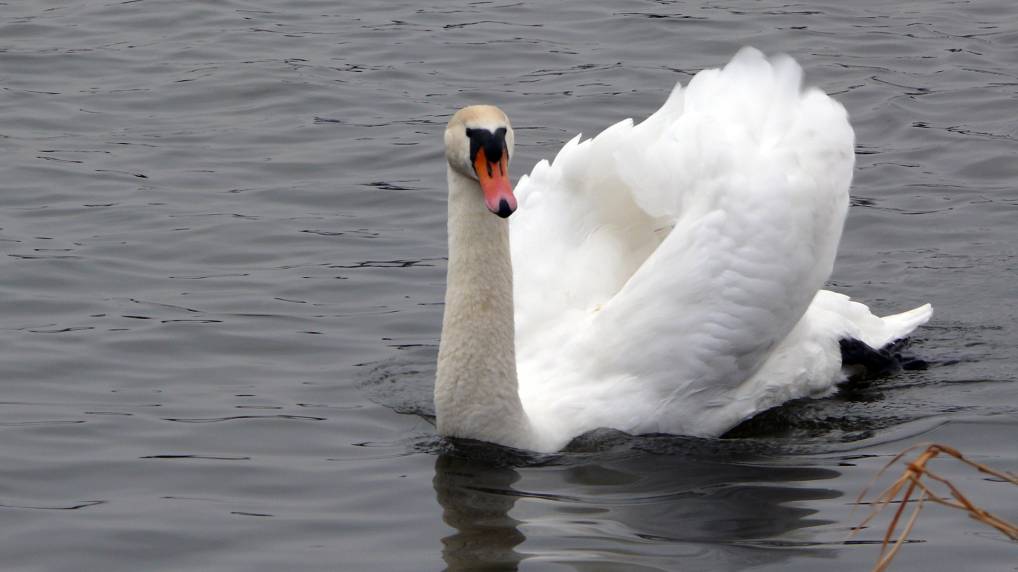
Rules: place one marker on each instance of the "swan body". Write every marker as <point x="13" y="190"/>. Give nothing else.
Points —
<point x="661" y="277"/>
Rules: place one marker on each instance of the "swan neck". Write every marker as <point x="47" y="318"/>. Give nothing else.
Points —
<point x="476" y="390"/>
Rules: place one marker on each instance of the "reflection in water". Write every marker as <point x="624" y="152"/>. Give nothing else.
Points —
<point x="627" y="510"/>
<point x="476" y="499"/>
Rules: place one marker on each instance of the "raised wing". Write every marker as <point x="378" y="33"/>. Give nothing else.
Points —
<point x="674" y="255"/>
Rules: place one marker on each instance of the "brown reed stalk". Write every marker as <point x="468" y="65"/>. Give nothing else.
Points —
<point x="912" y="480"/>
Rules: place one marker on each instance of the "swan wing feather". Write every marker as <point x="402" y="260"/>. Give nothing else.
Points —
<point x="661" y="266"/>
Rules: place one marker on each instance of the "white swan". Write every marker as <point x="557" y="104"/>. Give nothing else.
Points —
<point x="666" y="275"/>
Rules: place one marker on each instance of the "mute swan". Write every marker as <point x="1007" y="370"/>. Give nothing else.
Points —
<point x="666" y="275"/>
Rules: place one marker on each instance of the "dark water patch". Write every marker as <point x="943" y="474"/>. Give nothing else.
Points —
<point x="197" y="457"/>
<point x="78" y="506"/>
<point x="260" y="514"/>
<point x="43" y="422"/>
<point x="245" y="417"/>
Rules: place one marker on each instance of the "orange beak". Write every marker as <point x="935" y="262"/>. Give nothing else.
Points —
<point x="494" y="178"/>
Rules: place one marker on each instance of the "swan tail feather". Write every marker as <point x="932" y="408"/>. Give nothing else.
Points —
<point x="899" y="326"/>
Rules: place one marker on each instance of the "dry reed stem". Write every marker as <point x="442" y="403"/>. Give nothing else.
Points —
<point x="913" y="476"/>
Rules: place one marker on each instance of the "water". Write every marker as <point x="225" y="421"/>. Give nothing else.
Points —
<point x="223" y="237"/>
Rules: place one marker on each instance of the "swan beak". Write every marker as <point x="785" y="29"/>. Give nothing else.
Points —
<point x="494" y="178"/>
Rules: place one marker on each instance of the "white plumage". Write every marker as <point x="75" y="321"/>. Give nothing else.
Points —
<point x="667" y="274"/>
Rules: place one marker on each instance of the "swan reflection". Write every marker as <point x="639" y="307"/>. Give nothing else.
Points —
<point x="627" y="510"/>
<point x="476" y="500"/>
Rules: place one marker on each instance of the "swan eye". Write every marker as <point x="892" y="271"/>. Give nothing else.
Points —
<point x="492" y="143"/>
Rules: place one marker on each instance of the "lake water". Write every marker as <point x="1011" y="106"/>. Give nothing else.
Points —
<point x="223" y="234"/>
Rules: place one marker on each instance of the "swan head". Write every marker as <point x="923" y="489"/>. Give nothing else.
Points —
<point x="478" y="144"/>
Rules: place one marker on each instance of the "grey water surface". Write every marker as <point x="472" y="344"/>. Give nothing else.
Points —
<point x="223" y="238"/>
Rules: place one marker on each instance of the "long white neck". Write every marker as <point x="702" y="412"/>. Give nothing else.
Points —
<point x="476" y="393"/>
